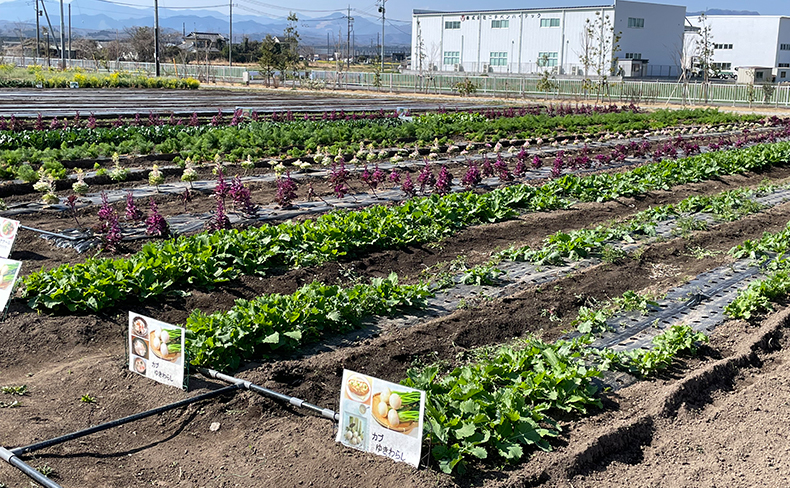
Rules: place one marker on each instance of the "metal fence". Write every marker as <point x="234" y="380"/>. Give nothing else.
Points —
<point x="620" y="91"/>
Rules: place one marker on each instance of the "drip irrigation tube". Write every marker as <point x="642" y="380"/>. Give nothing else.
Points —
<point x="324" y="412"/>
<point x="14" y="461"/>
<point x="131" y="418"/>
<point x="667" y="313"/>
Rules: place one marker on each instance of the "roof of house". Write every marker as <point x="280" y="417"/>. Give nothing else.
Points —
<point x="212" y="36"/>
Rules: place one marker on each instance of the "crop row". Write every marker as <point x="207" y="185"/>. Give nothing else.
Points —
<point x="14" y="124"/>
<point x="771" y="250"/>
<point x="268" y="323"/>
<point x="260" y="139"/>
<point x="503" y="399"/>
<point x="277" y="322"/>
<point x="61" y="79"/>
<point x="581" y="158"/>
<point x="582" y="243"/>
<point x="204" y="260"/>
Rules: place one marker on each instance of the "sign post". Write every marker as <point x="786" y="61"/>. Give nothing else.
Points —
<point x="9" y="272"/>
<point x="156" y="350"/>
<point x="8" y="230"/>
<point x="381" y="417"/>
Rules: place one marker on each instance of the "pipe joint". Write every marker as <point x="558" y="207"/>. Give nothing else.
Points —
<point x="5" y="454"/>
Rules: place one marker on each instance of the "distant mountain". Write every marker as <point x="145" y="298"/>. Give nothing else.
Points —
<point x="97" y="19"/>
<point x="718" y="11"/>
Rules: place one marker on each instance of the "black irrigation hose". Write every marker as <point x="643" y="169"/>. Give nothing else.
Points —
<point x="14" y="461"/>
<point x="689" y="304"/>
<point x="97" y="428"/>
<point x="324" y="412"/>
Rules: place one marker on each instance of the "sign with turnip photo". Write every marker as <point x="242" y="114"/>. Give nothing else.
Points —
<point x="156" y="350"/>
<point x="381" y="417"/>
<point x="8" y="230"/>
<point x="9" y="272"/>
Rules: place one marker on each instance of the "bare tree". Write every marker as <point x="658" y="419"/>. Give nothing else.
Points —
<point x="19" y="30"/>
<point x="112" y="51"/>
<point x="434" y="58"/>
<point x="585" y="56"/>
<point x="603" y="49"/>
<point x="87" y="49"/>
<point x="141" y="42"/>
<point x="685" y="60"/>
<point x="704" y="54"/>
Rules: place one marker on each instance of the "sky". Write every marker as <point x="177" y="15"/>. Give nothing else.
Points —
<point x="401" y="9"/>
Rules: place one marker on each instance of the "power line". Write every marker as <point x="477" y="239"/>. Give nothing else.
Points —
<point x="297" y="10"/>
<point x="377" y="17"/>
<point x="258" y="12"/>
<point x="398" y="28"/>
<point x="114" y="2"/>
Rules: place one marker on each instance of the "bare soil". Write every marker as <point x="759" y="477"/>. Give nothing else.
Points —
<point x="715" y="420"/>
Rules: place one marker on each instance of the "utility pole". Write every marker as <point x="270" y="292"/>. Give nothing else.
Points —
<point x="69" y="35"/>
<point x="46" y="14"/>
<point x="381" y="9"/>
<point x="46" y="32"/>
<point x="156" y="37"/>
<point x="62" y="38"/>
<point x="230" y="39"/>
<point x="38" y="34"/>
<point x="350" y="20"/>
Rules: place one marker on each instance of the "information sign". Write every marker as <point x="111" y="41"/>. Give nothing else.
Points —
<point x="381" y="417"/>
<point x="156" y="350"/>
<point x="9" y="272"/>
<point x="8" y="230"/>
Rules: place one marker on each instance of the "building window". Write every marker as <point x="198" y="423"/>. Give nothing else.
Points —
<point x="452" y="24"/>
<point x="784" y="65"/>
<point x="722" y="46"/>
<point x="783" y="74"/>
<point x="498" y="59"/>
<point x="784" y="47"/>
<point x="500" y="24"/>
<point x="721" y="66"/>
<point x="633" y="55"/>
<point x="549" y="22"/>
<point x="452" y="57"/>
<point x="547" y="59"/>
<point x="634" y="23"/>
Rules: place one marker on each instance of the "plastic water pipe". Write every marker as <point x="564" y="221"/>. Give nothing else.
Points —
<point x="14" y="461"/>
<point x="54" y="234"/>
<point x="324" y="412"/>
<point x="115" y="423"/>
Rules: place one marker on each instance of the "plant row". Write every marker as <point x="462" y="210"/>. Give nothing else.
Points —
<point x="54" y="123"/>
<point x="299" y="138"/>
<point x="205" y="260"/>
<point x="255" y="328"/>
<point x="45" y="179"/>
<point x="583" y="243"/>
<point x="340" y="179"/>
<point x="771" y="250"/>
<point x="36" y="76"/>
<point x="507" y="398"/>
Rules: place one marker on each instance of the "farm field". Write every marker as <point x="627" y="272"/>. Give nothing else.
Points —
<point x="634" y="260"/>
<point x="31" y="102"/>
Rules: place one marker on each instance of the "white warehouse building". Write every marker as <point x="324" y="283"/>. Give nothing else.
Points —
<point x="522" y="41"/>
<point x="745" y="41"/>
